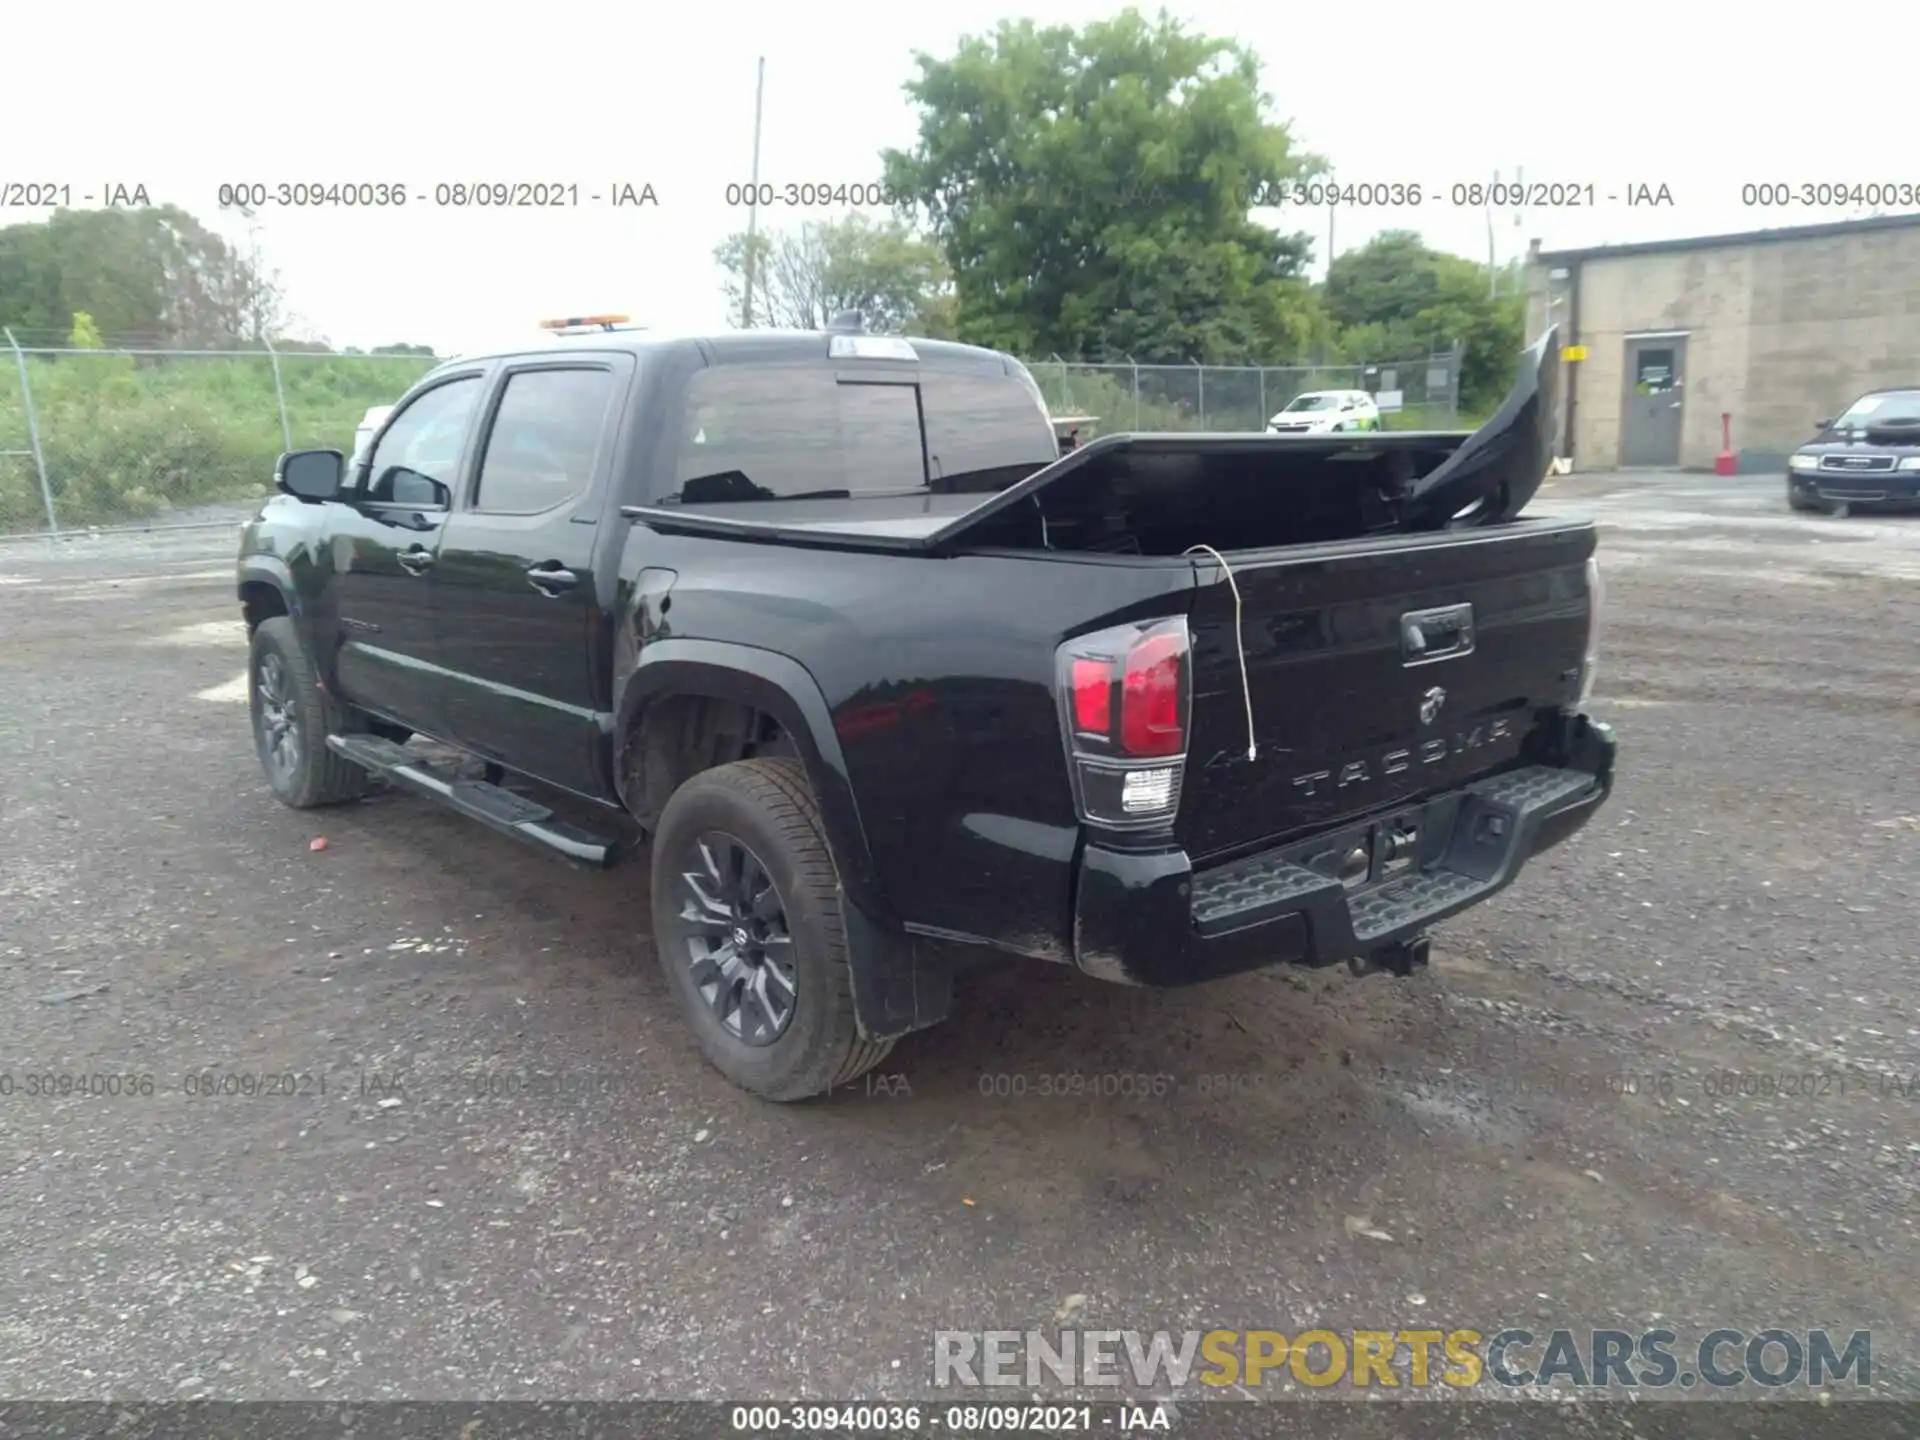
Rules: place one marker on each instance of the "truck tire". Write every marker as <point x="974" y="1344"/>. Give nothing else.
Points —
<point x="747" y="926"/>
<point x="292" y="717"/>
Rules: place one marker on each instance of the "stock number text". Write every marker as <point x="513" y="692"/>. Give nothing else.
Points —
<point x="808" y="194"/>
<point x="43" y="1084"/>
<point x="882" y="1419"/>
<point x="1315" y="193"/>
<point x="311" y="195"/>
<point x="1072" y="1084"/>
<point x="1829" y="192"/>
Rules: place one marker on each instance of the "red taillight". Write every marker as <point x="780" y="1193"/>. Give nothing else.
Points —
<point x="1123" y="703"/>
<point x="1150" y="719"/>
<point x="1093" y="697"/>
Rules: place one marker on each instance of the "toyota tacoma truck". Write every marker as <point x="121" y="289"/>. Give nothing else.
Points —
<point x="879" y="683"/>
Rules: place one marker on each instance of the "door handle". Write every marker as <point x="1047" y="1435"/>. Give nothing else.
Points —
<point x="416" y="561"/>
<point x="552" y="579"/>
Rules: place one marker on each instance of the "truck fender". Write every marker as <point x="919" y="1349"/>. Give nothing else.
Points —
<point x="272" y="571"/>
<point x="898" y="985"/>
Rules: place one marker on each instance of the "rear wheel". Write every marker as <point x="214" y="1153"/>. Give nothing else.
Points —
<point x="747" y="923"/>
<point x="292" y="717"/>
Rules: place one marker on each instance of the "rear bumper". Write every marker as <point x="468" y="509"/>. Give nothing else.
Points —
<point x="1148" y="918"/>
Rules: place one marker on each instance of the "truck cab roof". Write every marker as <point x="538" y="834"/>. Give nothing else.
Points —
<point x="751" y="347"/>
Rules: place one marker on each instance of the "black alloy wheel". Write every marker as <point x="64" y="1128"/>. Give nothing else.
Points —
<point x="279" y="720"/>
<point x="735" y="940"/>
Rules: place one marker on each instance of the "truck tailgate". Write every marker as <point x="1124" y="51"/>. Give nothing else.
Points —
<point x="1378" y="672"/>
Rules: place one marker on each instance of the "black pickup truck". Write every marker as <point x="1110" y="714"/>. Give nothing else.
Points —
<point x="888" y="684"/>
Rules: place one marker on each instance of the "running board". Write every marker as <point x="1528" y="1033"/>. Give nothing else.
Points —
<point x="491" y="805"/>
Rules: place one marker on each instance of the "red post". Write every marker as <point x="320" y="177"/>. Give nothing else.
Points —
<point x="1724" y="463"/>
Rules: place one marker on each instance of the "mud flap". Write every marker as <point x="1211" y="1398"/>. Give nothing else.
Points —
<point x="898" y="985"/>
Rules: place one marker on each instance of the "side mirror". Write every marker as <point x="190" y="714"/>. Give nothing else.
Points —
<point x="312" y="475"/>
<point x="1823" y="424"/>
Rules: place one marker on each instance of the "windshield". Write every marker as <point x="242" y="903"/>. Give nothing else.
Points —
<point x="1899" y="407"/>
<point x="1313" y="402"/>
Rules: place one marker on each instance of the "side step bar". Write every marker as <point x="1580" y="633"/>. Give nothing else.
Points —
<point x="491" y="805"/>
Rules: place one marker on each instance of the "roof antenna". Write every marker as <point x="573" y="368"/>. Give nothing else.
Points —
<point x="1239" y="642"/>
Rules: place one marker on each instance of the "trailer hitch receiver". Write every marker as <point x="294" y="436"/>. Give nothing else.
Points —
<point x="1402" y="957"/>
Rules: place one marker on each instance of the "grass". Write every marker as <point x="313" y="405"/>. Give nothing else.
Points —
<point x="130" y="437"/>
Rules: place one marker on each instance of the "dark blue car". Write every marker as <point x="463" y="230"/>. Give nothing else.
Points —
<point x="1868" y="457"/>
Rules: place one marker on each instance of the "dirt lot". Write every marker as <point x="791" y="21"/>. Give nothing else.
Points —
<point x="1536" y="1123"/>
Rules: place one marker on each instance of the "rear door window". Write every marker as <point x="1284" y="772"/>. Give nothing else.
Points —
<point x="545" y="441"/>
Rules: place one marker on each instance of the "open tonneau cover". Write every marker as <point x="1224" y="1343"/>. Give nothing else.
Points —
<point x="1485" y="478"/>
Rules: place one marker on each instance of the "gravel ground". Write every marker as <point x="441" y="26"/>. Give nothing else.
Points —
<point x="1534" y="1122"/>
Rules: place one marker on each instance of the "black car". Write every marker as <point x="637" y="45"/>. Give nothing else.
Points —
<point x="1869" y="456"/>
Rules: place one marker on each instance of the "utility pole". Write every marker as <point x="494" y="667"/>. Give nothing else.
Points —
<point x="1493" y="273"/>
<point x="753" y="202"/>
<point x="1520" y="184"/>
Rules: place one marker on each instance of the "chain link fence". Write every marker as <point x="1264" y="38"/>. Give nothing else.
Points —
<point x="1412" y="394"/>
<point x="143" y="437"/>
<point x="130" y="436"/>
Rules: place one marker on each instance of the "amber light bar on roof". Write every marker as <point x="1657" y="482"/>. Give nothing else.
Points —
<point x="586" y="322"/>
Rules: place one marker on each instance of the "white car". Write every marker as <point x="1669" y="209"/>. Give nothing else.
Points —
<point x="1321" y="412"/>
<point x="363" y="432"/>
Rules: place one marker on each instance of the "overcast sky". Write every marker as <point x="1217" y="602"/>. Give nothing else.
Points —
<point x="1700" y="98"/>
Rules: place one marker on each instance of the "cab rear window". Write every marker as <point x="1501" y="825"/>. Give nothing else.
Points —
<point x="788" y="432"/>
<point x="781" y="432"/>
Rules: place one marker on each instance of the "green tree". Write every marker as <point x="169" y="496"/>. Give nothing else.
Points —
<point x="1091" y="191"/>
<point x="153" y="275"/>
<point x="802" y="278"/>
<point x="1396" y="298"/>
